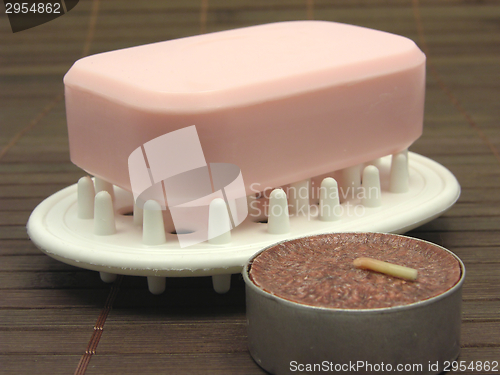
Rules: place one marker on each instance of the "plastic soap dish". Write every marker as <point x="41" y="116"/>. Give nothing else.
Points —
<point x="405" y="193"/>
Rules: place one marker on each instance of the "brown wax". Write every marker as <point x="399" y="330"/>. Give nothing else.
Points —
<point x="319" y="270"/>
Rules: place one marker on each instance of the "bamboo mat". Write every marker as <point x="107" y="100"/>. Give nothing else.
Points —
<point x="58" y="319"/>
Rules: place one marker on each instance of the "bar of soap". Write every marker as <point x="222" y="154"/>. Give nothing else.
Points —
<point x="319" y="270"/>
<point x="284" y="101"/>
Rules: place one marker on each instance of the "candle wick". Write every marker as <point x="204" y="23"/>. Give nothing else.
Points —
<point x="386" y="268"/>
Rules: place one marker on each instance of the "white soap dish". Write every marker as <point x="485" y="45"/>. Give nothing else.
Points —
<point x="411" y="193"/>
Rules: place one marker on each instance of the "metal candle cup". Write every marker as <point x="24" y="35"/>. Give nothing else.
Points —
<point x="283" y="334"/>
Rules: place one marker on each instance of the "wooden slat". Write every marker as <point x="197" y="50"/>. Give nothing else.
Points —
<point x="46" y="280"/>
<point x="15" y="218"/>
<point x="176" y="338"/>
<point x="196" y="364"/>
<point x="462" y="224"/>
<point x="474" y="311"/>
<point x="17" y="247"/>
<point x="38" y="364"/>
<point x="18" y="204"/>
<point x="30" y="191"/>
<point x="480" y="195"/>
<point x="470" y="255"/>
<point x="35" y="264"/>
<point x="453" y="240"/>
<point x="47" y="318"/>
<point x="33" y="167"/>
<point x="473" y="210"/>
<point x="41" y="178"/>
<point x="56" y="340"/>
<point x="476" y="334"/>
<point x="52" y="298"/>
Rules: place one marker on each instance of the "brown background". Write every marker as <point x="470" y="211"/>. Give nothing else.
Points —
<point x="48" y="310"/>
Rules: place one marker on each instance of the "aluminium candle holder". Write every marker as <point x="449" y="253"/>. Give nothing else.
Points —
<point x="285" y="336"/>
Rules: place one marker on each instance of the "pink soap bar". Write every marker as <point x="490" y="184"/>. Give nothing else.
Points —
<point x="283" y="101"/>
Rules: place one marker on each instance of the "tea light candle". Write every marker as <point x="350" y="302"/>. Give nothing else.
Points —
<point x="319" y="270"/>
<point x="306" y="300"/>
